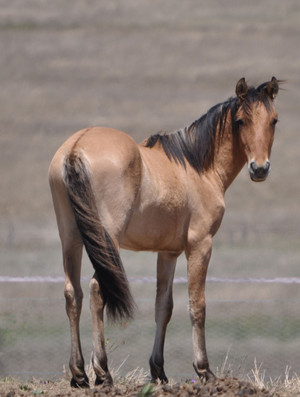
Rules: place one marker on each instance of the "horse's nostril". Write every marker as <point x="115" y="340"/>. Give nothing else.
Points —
<point x="264" y="168"/>
<point x="267" y="166"/>
<point x="259" y="172"/>
<point x="253" y="166"/>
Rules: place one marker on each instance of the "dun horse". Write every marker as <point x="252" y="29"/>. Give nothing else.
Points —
<point x="164" y="195"/>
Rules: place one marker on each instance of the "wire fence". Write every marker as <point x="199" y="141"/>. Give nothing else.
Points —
<point x="35" y="342"/>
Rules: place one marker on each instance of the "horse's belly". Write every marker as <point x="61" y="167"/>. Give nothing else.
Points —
<point x="154" y="232"/>
<point x="149" y="242"/>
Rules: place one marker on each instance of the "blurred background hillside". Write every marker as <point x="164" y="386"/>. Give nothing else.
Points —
<point x="145" y="66"/>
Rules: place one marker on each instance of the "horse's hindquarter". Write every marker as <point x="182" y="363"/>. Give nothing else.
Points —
<point x="116" y="168"/>
<point x="114" y="163"/>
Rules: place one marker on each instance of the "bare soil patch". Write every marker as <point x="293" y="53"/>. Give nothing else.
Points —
<point x="229" y="387"/>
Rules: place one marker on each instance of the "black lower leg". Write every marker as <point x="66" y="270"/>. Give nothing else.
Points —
<point x="83" y="383"/>
<point x="157" y="372"/>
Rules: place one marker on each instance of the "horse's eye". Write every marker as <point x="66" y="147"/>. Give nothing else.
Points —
<point x="239" y="122"/>
<point x="274" y="122"/>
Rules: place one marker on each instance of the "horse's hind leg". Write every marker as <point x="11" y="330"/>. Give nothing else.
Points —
<point x="166" y="264"/>
<point x="72" y="254"/>
<point x="99" y="358"/>
<point x="72" y="245"/>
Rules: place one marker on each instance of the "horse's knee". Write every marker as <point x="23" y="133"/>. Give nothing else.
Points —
<point x="94" y="285"/>
<point x="95" y="290"/>
<point x="198" y="312"/>
<point x="73" y="298"/>
<point x="96" y="299"/>
<point x="71" y="293"/>
<point x="72" y="266"/>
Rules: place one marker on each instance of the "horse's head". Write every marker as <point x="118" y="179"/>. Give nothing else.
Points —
<point x="256" y="118"/>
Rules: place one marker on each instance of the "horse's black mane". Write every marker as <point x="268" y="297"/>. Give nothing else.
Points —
<point x="196" y="144"/>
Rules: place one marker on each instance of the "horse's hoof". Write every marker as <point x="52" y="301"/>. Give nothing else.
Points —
<point x="157" y="373"/>
<point x="80" y="385"/>
<point x="107" y="381"/>
<point x="205" y="374"/>
<point x="210" y="376"/>
<point x="163" y="380"/>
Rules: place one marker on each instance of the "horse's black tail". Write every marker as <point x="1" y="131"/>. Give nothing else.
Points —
<point x="98" y="244"/>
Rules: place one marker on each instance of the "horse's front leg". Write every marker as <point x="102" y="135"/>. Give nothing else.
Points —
<point x="198" y="259"/>
<point x="166" y="264"/>
<point x="99" y="358"/>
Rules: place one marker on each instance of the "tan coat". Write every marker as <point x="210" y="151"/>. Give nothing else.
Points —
<point x="164" y="195"/>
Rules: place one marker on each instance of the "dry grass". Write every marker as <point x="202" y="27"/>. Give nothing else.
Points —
<point x="136" y="383"/>
<point x="286" y="386"/>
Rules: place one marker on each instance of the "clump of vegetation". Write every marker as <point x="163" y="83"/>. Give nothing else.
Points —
<point x="147" y="390"/>
<point x="136" y="383"/>
<point x="284" y="386"/>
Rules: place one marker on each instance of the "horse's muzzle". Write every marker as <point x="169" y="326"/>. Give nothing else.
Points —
<point x="259" y="173"/>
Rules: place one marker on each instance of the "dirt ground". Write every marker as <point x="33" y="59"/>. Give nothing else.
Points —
<point x="229" y="387"/>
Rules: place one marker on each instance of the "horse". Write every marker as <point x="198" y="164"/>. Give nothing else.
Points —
<point x="165" y="195"/>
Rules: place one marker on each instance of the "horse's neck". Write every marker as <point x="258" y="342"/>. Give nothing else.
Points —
<point x="229" y="160"/>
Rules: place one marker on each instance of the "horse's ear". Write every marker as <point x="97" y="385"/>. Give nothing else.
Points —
<point x="241" y="89"/>
<point x="272" y="88"/>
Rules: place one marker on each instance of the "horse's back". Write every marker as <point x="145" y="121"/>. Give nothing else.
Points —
<point x="97" y="145"/>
